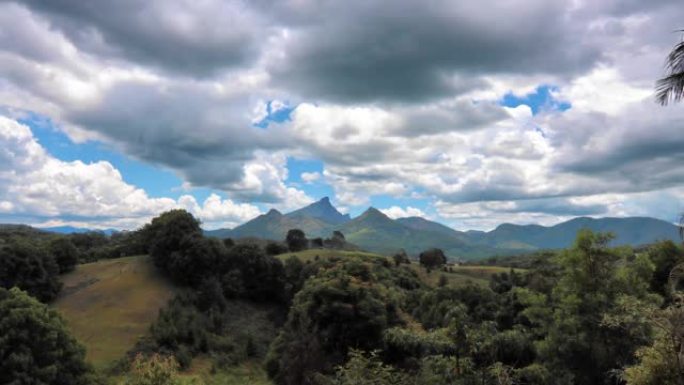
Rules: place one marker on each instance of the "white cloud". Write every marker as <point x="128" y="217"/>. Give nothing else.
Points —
<point x="310" y="177"/>
<point x="399" y="212"/>
<point x="37" y="185"/>
<point x="420" y="116"/>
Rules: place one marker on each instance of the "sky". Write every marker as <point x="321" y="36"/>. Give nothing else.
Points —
<point x="468" y="113"/>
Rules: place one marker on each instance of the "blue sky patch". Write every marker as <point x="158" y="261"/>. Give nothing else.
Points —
<point x="539" y="100"/>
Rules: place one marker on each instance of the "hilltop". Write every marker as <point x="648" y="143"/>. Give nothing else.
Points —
<point x="376" y="232"/>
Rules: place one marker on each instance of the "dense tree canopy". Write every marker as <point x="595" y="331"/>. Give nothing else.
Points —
<point x="296" y="240"/>
<point x="28" y="266"/>
<point x="432" y="258"/>
<point x="35" y="347"/>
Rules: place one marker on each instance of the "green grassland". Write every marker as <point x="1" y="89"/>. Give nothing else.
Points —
<point x="459" y="275"/>
<point x="310" y="255"/>
<point x="109" y="304"/>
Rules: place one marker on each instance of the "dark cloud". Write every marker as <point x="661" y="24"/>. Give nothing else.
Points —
<point x="205" y="137"/>
<point x="642" y="147"/>
<point x="411" y="51"/>
<point x="195" y="38"/>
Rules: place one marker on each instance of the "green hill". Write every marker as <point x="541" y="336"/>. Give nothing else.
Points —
<point x="375" y="232"/>
<point x="629" y="231"/>
<point x="322" y="210"/>
<point x="109" y="304"/>
<point x="274" y="225"/>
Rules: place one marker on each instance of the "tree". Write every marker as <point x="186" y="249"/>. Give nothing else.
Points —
<point x="317" y="242"/>
<point x="597" y="301"/>
<point x="296" y="240"/>
<point x="401" y="257"/>
<point x="30" y="268"/>
<point x="347" y="305"/>
<point x="35" y="347"/>
<point x="167" y="233"/>
<point x="671" y="87"/>
<point x="261" y="276"/>
<point x="275" y="248"/>
<point x="65" y="253"/>
<point x="432" y="258"/>
<point x="663" y="361"/>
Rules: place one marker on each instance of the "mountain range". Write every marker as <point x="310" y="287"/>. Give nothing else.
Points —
<point x="376" y="232"/>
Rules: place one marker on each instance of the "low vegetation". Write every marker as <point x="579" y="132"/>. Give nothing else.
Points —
<point x="203" y="311"/>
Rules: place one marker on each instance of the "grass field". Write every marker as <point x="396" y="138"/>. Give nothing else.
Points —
<point x="460" y="275"/>
<point x="482" y="272"/>
<point x="109" y="304"/>
<point x="453" y="278"/>
<point x="309" y="255"/>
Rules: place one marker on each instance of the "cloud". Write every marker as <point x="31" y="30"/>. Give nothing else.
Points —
<point x="394" y="98"/>
<point x="36" y="185"/>
<point x="310" y="177"/>
<point x="183" y="36"/>
<point x="395" y="212"/>
<point x="407" y="51"/>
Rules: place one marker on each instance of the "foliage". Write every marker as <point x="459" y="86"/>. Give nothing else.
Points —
<point x="347" y="305"/>
<point x="35" y="347"/>
<point x="671" y="87"/>
<point x="367" y="369"/>
<point x="169" y="234"/>
<point x="153" y="370"/>
<point x="65" y="254"/>
<point x="586" y="301"/>
<point x="432" y="258"/>
<point x="275" y="248"/>
<point x="296" y="240"/>
<point x="30" y="268"/>
<point x="401" y="257"/>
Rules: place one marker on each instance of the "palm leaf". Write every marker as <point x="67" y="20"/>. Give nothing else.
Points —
<point x="671" y="87"/>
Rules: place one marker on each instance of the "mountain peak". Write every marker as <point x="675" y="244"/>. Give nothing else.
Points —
<point x="373" y="212"/>
<point x="323" y="210"/>
<point x="273" y="213"/>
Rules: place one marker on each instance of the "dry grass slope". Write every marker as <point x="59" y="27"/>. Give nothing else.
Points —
<point x="109" y="304"/>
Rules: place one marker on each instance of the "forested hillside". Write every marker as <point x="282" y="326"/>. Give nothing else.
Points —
<point x="316" y="315"/>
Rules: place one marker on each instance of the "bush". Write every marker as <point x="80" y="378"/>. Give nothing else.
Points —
<point x="29" y="268"/>
<point x="35" y="346"/>
<point x="275" y="248"/>
<point x="296" y="240"/>
<point x="65" y="254"/>
<point x="168" y="234"/>
<point x="432" y="258"/>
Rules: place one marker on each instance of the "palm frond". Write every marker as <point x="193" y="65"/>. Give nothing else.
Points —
<point x="675" y="60"/>
<point x="671" y="87"/>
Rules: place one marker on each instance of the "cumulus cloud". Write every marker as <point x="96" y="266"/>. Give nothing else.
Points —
<point x="395" y="98"/>
<point x="36" y="185"/>
<point x="310" y="177"/>
<point x="395" y="212"/>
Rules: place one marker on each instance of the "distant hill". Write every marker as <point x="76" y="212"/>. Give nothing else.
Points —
<point x="628" y="231"/>
<point x="322" y="210"/>
<point x="75" y="230"/>
<point x="274" y="225"/>
<point x="375" y="232"/>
